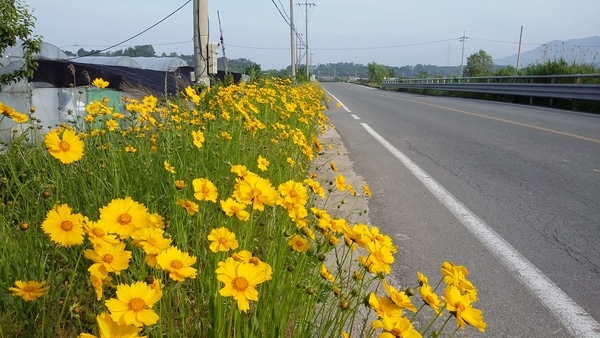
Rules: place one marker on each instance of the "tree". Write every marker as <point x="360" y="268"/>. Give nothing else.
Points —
<point x="479" y="64"/>
<point x="376" y="73"/>
<point x="16" y="23"/>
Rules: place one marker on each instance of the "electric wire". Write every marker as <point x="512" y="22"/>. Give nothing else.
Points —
<point x="135" y="36"/>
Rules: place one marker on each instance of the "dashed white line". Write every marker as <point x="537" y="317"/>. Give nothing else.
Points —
<point x="354" y="116"/>
<point x="575" y="319"/>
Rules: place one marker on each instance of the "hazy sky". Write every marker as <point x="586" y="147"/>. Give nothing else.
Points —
<point x="391" y="32"/>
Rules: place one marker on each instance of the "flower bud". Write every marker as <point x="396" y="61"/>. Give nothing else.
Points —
<point x="24" y="226"/>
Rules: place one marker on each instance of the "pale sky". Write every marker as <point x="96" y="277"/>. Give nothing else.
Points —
<point x="390" y="32"/>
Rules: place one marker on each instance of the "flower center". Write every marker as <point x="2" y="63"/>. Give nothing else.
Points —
<point x="240" y="284"/>
<point x="293" y="193"/>
<point x="176" y="264"/>
<point x="223" y="240"/>
<point x="124" y="219"/>
<point x="152" y="241"/>
<point x="98" y="232"/>
<point x="137" y="304"/>
<point x="107" y="258"/>
<point x="66" y="225"/>
<point x="64" y="146"/>
<point x="28" y="289"/>
<point x="254" y="261"/>
<point x="205" y="190"/>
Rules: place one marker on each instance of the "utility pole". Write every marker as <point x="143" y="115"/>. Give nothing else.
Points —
<point x="293" y="39"/>
<point x="306" y="53"/>
<point x="201" y="42"/>
<point x="462" y="57"/>
<point x="519" y="52"/>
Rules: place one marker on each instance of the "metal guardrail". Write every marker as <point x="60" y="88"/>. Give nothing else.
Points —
<point x="508" y="85"/>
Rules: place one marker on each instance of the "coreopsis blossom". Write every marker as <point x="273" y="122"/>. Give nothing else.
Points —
<point x="333" y="166"/>
<point x="98" y="233"/>
<point x="190" y="207"/>
<point x="17" y="117"/>
<point x="179" y="184"/>
<point x="108" y="258"/>
<point x="204" y="190"/>
<point x="240" y="280"/>
<point x="177" y="263"/>
<point x="457" y="275"/>
<point x="367" y="190"/>
<point x="30" y="290"/>
<point x="293" y="192"/>
<point x="340" y="182"/>
<point x="398" y="297"/>
<point x="430" y="298"/>
<point x="326" y="274"/>
<point x="124" y="216"/>
<point x="100" y="83"/>
<point x="263" y="163"/>
<point x="422" y="279"/>
<point x="298" y="243"/>
<point x="169" y="167"/>
<point x="396" y="327"/>
<point x="290" y="161"/>
<point x="379" y="259"/>
<point x="191" y="93"/>
<point x="67" y="149"/>
<point x="222" y="239"/>
<point x="315" y="187"/>
<point x="247" y="257"/>
<point x="384" y="306"/>
<point x="110" y="329"/>
<point x="130" y="149"/>
<point x="133" y="305"/>
<point x="255" y="190"/>
<point x="240" y="170"/>
<point x="198" y="138"/>
<point x="358" y="234"/>
<point x="112" y="125"/>
<point x="231" y="207"/>
<point x="151" y="240"/>
<point x="64" y="227"/>
<point x="459" y="305"/>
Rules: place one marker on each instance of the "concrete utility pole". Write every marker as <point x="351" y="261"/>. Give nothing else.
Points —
<point x="293" y="38"/>
<point x="201" y="42"/>
<point x="462" y="56"/>
<point x="519" y="52"/>
<point x="306" y="53"/>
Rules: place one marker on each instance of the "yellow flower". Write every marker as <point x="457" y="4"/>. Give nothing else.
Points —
<point x="204" y="190"/>
<point x="340" y="182"/>
<point x="379" y="259"/>
<point x="110" y="329"/>
<point x="315" y="187"/>
<point x="290" y="161"/>
<point x="384" y="306"/>
<point x="169" y="167"/>
<point x="198" y="138"/>
<point x="255" y="190"/>
<point x="98" y="233"/>
<point x="246" y="256"/>
<point x="457" y="275"/>
<point x="231" y="207"/>
<point x="19" y="117"/>
<point x="333" y="166"/>
<point x="298" y="243"/>
<point x="460" y="306"/>
<point x="240" y="170"/>
<point x="399" y="297"/>
<point x="108" y="258"/>
<point x="63" y="227"/>
<point x="179" y="184"/>
<point x="124" y="216"/>
<point x="112" y="124"/>
<point x="240" y="280"/>
<point x="293" y="192"/>
<point x="422" y="279"/>
<point x="396" y="327"/>
<point x="326" y="274"/>
<point x="189" y="206"/>
<point x="222" y="240"/>
<point x="69" y="149"/>
<point x="263" y="163"/>
<point x="100" y="83"/>
<point x="133" y="305"/>
<point x="177" y="263"/>
<point x="30" y="290"/>
<point x="130" y="149"/>
<point x="430" y="298"/>
<point x="151" y="240"/>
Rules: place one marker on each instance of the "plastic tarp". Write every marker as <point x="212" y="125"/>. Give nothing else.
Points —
<point x="165" y="64"/>
<point x="123" y="61"/>
<point x="12" y="57"/>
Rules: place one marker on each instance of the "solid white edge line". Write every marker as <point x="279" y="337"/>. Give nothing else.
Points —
<point x="343" y="105"/>
<point x="575" y="319"/>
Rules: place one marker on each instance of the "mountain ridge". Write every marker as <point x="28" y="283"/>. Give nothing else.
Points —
<point x="580" y="51"/>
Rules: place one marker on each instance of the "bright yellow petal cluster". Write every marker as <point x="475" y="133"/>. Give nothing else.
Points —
<point x="240" y="280"/>
<point x="67" y="149"/>
<point x="231" y="207"/>
<point x="204" y="190"/>
<point x="222" y="239"/>
<point x="30" y="290"/>
<point x="124" y="216"/>
<point x="133" y="305"/>
<point x="64" y="227"/>
<point x="110" y="329"/>
<point x="459" y="305"/>
<point x="108" y="258"/>
<point x="100" y="83"/>
<point x="177" y="263"/>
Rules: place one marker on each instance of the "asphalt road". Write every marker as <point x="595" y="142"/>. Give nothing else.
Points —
<point x="530" y="174"/>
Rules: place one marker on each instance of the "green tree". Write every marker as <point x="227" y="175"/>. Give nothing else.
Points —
<point x="16" y="24"/>
<point x="479" y="64"/>
<point x="376" y="73"/>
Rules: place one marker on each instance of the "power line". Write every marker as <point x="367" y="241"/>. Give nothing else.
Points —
<point x="138" y="34"/>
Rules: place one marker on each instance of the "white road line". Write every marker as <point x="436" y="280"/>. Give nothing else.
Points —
<point x="354" y="116"/>
<point x="340" y="102"/>
<point x="575" y="319"/>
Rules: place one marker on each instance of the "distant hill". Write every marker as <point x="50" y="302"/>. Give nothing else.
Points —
<point x="580" y="51"/>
